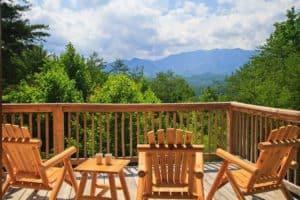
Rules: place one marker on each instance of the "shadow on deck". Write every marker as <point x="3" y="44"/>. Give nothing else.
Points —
<point x="67" y="193"/>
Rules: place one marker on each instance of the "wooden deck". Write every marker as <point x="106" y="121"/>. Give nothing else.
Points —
<point x="226" y="193"/>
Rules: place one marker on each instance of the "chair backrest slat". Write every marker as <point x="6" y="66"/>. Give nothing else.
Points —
<point x="162" y="157"/>
<point x="273" y="160"/>
<point x="178" y="156"/>
<point x="14" y="131"/>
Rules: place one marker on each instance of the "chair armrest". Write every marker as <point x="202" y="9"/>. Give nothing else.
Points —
<point x="198" y="169"/>
<point x="142" y="164"/>
<point x="236" y="160"/>
<point x="60" y="157"/>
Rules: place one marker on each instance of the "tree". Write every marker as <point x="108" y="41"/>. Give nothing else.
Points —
<point x="271" y="77"/>
<point x="121" y="88"/>
<point x="118" y="66"/>
<point x="29" y="61"/>
<point x="171" y="88"/>
<point x="77" y="70"/>
<point x="209" y="94"/>
<point x="18" y="35"/>
<point x="96" y="67"/>
<point x="52" y="85"/>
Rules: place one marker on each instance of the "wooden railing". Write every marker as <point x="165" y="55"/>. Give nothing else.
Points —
<point x="118" y="128"/>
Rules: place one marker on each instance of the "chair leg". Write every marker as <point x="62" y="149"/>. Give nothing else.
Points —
<point x="217" y="181"/>
<point x="234" y="185"/>
<point x="285" y="192"/>
<point x="70" y="174"/>
<point x="199" y="189"/>
<point x="140" y="188"/>
<point x="6" y="185"/>
<point x="57" y="185"/>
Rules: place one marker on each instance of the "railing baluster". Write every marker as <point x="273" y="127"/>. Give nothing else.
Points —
<point x="244" y="134"/>
<point x="130" y="134"/>
<point x="215" y="127"/>
<point x="247" y="137"/>
<point x="255" y="137"/>
<point x="69" y="125"/>
<point x="93" y="133"/>
<point x="84" y="135"/>
<point x="77" y="133"/>
<point x="108" y="132"/>
<point x="252" y="135"/>
<point x="137" y="128"/>
<point x="47" y="133"/>
<point x="240" y="133"/>
<point x="236" y="132"/>
<point x="123" y="134"/>
<point x="202" y="127"/>
<point x="38" y="122"/>
<point x="100" y="132"/>
<point x="266" y="128"/>
<point x="30" y="123"/>
<point x="260" y="128"/>
<point x="116" y="134"/>
<point x="209" y="131"/>
<point x="145" y="126"/>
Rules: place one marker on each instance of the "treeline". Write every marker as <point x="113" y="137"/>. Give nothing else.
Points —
<point x="32" y="74"/>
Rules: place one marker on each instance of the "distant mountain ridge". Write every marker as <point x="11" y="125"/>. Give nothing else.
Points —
<point x="215" y="61"/>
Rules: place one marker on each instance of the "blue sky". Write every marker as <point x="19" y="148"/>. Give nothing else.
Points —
<point x="156" y="28"/>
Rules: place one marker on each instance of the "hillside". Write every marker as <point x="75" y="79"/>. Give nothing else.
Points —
<point x="215" y="61"/>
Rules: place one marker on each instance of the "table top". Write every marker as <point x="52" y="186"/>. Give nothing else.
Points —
<point x="90" y="165"/>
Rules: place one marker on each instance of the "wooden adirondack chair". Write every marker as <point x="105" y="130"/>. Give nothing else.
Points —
<point x="276" y="155"/>
<point x="172" y="170"/>
<point x="25" y="168"/>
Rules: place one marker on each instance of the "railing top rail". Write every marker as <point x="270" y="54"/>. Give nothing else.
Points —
<point x="284" y="114"/>
<point x="96" y="107"/>
<point x="277" y="113"/>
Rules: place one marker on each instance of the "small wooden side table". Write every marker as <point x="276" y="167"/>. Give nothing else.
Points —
<point x="90" y="167"/>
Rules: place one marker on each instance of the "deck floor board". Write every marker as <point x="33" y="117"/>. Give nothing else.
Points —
<point x="67" y="193"/>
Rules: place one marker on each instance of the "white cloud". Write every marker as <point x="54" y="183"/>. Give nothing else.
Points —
<point x="156" y="28"/>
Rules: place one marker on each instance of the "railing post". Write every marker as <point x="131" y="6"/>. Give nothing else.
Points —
<point x="58" y="129"/>
<point x="229" y="116"/>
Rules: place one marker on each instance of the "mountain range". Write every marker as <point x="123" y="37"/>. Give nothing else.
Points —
<point x="215" y="61"/>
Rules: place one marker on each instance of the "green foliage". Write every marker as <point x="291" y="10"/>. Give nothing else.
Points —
<point x="121" y="88"/>
<point x="272" y="77"/>
<point x="77" y="69"/>
<point x="209" y="95"/>
<point x="118" y="66"/>
<point x="52" y="85"/>
<point x="18" y="36"/>
<point x="171" y="88"/>
<point x="29" y="61"/>
<point x="96" y="66"/>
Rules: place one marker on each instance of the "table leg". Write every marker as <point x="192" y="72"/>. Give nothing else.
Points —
<point x="93" y="185"/>
<point x="112" y="185"/>
<point x="124" y="185"/>
<point x="81" y="186"/>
